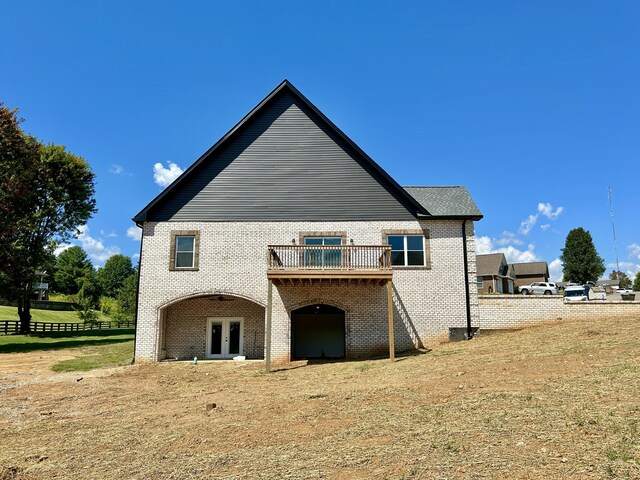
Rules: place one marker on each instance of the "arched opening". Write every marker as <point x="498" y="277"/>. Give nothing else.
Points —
<point x="318" y="331"/>
<point x="212" y="326"/>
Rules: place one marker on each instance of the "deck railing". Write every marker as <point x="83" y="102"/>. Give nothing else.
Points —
<point x="329" y="257"/>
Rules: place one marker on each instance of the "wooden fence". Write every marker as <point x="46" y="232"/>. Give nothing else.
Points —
<point x="9" y="327"/>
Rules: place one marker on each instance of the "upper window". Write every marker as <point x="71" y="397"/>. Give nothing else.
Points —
<point x="184" y="250"/>
<point x="323" y="257"/>
<point x="407" y="250"/>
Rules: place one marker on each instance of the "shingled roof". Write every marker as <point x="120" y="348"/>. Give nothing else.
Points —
<point x="453" y="202"/>
<point x="489" y="264"/>
<point x="531" y="268"/>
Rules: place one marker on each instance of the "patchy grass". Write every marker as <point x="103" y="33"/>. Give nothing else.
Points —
<point x="103" y="356"/>
<point x="55" y="316"/>
<point x="63" y="340"/>
<point x="559" y="401"/>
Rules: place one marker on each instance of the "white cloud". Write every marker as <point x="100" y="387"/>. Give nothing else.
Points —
<point x="634" y="251"/>
<point x="630" y="268"/>
<point x="555" y="270"/>
<point x="110" y="234"/>
<point x="61" y="248"/>
<point x="545" y="227"/>
<point x="116" y="169"/>
<point x="508" y="238"/>
<point x="134" y="233"/>
<point x="486" y="245"/>
<point x="527" y="224"/>
<point x="164" y="176"/>
<point x="95" y="248"/>
<point x="547" y="210"/>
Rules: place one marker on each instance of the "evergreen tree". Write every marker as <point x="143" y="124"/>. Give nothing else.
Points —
<point x="636" y="283"/>
<point x="580" y="260"/>
<point x="72" y="266"/>
<point x="127" y="296"/>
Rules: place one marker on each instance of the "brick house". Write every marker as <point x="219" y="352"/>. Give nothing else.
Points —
<point x="529" y="272"/>
<point x="493" y="274"/>
<point x="285" y="240"/>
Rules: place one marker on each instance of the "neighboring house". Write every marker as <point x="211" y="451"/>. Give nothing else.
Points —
<point x="493" y="274"/>
<point x="285" y="241"/>
<point x="530" y="272"/>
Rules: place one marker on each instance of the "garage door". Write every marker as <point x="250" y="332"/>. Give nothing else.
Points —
<point x="318" y="331"/>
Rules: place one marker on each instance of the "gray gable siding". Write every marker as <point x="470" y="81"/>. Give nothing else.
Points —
<point x="284" y="164"/>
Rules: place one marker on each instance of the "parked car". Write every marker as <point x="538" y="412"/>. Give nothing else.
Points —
<point x="576" y="293"/>
<point x="621" y="290"/>
<point x="539" y="288"/>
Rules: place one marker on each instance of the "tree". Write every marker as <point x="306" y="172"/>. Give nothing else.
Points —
<point x="46" y="192"/>
<point x="623" y="280"/>
<point x="72" y="265"/>
<point x="580" y="260"/>
<point x="114" y="273"/>
<point x="636" y="283"/>
<point x="127" y="296"/>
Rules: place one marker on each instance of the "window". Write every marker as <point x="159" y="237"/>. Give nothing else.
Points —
<point x="480" y="282"/>
<point x="407" y="250"/>
<point x="184" y="250"/>
<point x="323" y="257"/>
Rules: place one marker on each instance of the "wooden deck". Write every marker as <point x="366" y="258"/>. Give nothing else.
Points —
<point x="329" y="264"/>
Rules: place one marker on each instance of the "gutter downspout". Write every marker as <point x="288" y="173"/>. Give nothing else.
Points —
<point x="135" y="320"/>
<point x="466" y="279"/>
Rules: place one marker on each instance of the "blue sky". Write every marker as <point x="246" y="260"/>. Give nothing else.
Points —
<point x="534" y="106"/>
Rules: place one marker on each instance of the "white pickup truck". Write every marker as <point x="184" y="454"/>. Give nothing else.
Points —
<point x="539" y="288"/>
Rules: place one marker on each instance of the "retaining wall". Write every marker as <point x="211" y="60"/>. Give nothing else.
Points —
<point x="512" y="311"/>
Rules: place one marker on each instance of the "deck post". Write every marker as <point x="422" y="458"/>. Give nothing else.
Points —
<point x="392" y="348"/>
<point x="267" y="334"/>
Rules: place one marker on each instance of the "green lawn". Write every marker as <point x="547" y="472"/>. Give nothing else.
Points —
<point x="101" y="356"/>
<point x="58" y="340"/>
<point x="11" y="313"/>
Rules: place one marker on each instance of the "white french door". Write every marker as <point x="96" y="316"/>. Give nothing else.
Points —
<point x="224" y="337"/>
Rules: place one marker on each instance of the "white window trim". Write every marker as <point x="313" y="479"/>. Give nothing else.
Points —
<point x="406" y="251"/>
<point x="193" y="253"/>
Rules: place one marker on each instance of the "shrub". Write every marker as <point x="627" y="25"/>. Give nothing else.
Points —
<point x="61" y="297"/>
<point x="108" y="305"/>
<point x="85" y="312"/>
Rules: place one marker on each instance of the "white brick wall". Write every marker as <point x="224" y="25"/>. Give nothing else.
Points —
<point x="233" y="261"/>
<point x="511" y="311"/>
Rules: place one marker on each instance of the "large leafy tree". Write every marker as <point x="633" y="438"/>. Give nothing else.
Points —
<point x="114" y="273"/>
<point x="580" y="260"/>
<point x="623" y="280"/>
<point x="72" y="266"/>
<point x="46" y="192"/>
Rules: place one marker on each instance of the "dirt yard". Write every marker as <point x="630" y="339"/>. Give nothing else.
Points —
<point x="559" y="401"/>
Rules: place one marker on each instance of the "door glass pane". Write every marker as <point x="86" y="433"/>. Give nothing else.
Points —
<point x="332" y="241"/>
<point x="313" y="241"/>
<point x="216" y="339"/>
<point x="234" y="338"/>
